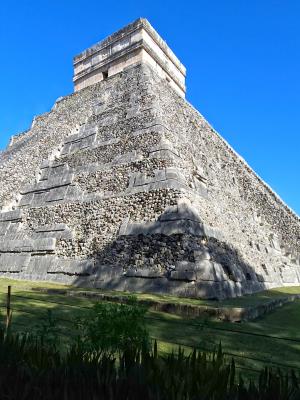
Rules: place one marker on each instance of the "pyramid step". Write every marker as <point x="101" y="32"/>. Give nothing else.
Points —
<point x="79" y="142"/>
<point x="14" y="262"/>
<point x="58" y="231"/>
<point x="52" y="171"/>
<point x="52" y="183"/>
<point x="52" y="268"/>
<point x="113" y="150"/>
<point x="28" y="245"/>
<point x="12" y="216"/>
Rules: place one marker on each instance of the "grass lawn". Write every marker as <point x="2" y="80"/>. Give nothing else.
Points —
<point x="170" y="330"/>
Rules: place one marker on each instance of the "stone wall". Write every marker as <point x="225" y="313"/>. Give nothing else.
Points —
<point x="124" y="185"/>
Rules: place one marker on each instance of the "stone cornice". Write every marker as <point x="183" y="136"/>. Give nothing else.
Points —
<point x="129" y="29"/>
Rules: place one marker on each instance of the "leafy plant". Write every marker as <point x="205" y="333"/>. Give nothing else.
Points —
<point x="113" y="327"/>
<point x="29" y="370"/>
<point x="47" y="331"/>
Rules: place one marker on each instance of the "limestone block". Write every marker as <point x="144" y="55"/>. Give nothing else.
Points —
<point x="72" y="138"/>
<point x="172" y="173"/>
<point x="205" y="271"/>
<point x="118" y="283"/>
<point x="56" y="194"/>
<point x="11" y="215"/>
<point x="64" y="179"/>
<point x="181" y="227"/>
<point x="45" y="164"/>
<point x="66" y="149"/>
<point x="289" y="275"/>
<point x="163" y="154"/>
<point x="51" y="183"/>
<point x="172" y="227"/>
<point x="52" y="228"/>
<point x="236" y="274"/>
<point x="99" y="109"/>
<point x="88" y="141"/>
<point x="273" y="252"/>
<point x="126" y="158"/>
<point x="14" y="262"/>
<point x="27" y="245"/>
<point x="39" y="265"/>
<point x="4" y="227"/>
<point x="295" y="258"/>
<point x="213" y="232"/>
<point x="75" y="146"/>
<point x="163" y="149"/>
<point x="58" y="170"/>
<point x="228" y="289"/>
<point x="185" y="266"/>
<point x="208" y="290"/>
<point x="160" y="175"/>
<point x="26" y="200"/>
<point x="275" y="242"/>
<point x="72" y="267"/>
<point x="168" y="213"/>
<point x="38" y="199"/>
<point x="123" y="227"/>
<point x="201" y="255"/>
<point x="144" y="273"/>
<point x="187" y="211"/>
<point x="109" y="142"/>
<point x="89" y="134"/>
<point x="133" y="112"/>
<point x="167" y="184"/>
<point x="267" y="274"/>
<point x="107" y="273"/>
<point x="158" y="285"/>
<point x="142" y="179"/>
<point x="183" y="275"/>
<point x="146" y="228"/>
<point x="250" y="274"/>
<point x="261" y="277"/>
<point x="74" y="193"/>
<point x="201" y="188"/>
<point x="44" y="174"/>
<point x="131" y="183"/>
<point x="58" y="231"/>
<point x="44" y="244"/>
<point x="14" y="230"/>
<point x="220" y="273"/>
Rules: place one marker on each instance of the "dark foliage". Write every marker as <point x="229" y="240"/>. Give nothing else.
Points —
<point x="111" y="359"/>
<point x="31" y="370"/>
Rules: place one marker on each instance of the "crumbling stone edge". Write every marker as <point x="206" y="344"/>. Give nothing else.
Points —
<point x="229" y="314"/>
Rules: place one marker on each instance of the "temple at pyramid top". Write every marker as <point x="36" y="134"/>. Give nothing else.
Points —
<point x="136" y="43"/>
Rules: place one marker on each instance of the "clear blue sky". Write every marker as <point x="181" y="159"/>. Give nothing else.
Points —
<point x="242" y="59"/>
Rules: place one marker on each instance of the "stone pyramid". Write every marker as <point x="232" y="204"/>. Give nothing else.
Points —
<point x="124" y="185"/>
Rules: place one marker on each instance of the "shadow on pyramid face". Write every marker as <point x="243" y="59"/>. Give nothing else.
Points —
<point x="176" y="254"/>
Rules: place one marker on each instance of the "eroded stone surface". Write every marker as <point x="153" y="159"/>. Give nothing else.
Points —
<point x="123" y="185"/>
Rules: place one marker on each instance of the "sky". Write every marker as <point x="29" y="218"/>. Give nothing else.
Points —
<point x="242" y="59"/>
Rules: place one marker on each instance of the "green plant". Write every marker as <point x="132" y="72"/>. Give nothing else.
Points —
<point x="47" y="330"/>
<point x="30" y="371"/>
<point x="113" y="327"/>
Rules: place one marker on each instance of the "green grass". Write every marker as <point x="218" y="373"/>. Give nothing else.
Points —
<point x="239" y="302"/>
<point x="172" y="330"/>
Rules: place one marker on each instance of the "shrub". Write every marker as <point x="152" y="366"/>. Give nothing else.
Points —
<point x="113" y="327"/>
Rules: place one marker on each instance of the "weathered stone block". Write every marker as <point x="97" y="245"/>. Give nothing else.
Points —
<point x="144" y="273"/>
<point x="4" y="227"/>
<point x="11" y="215"/>
<point x="183" y="275"/>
